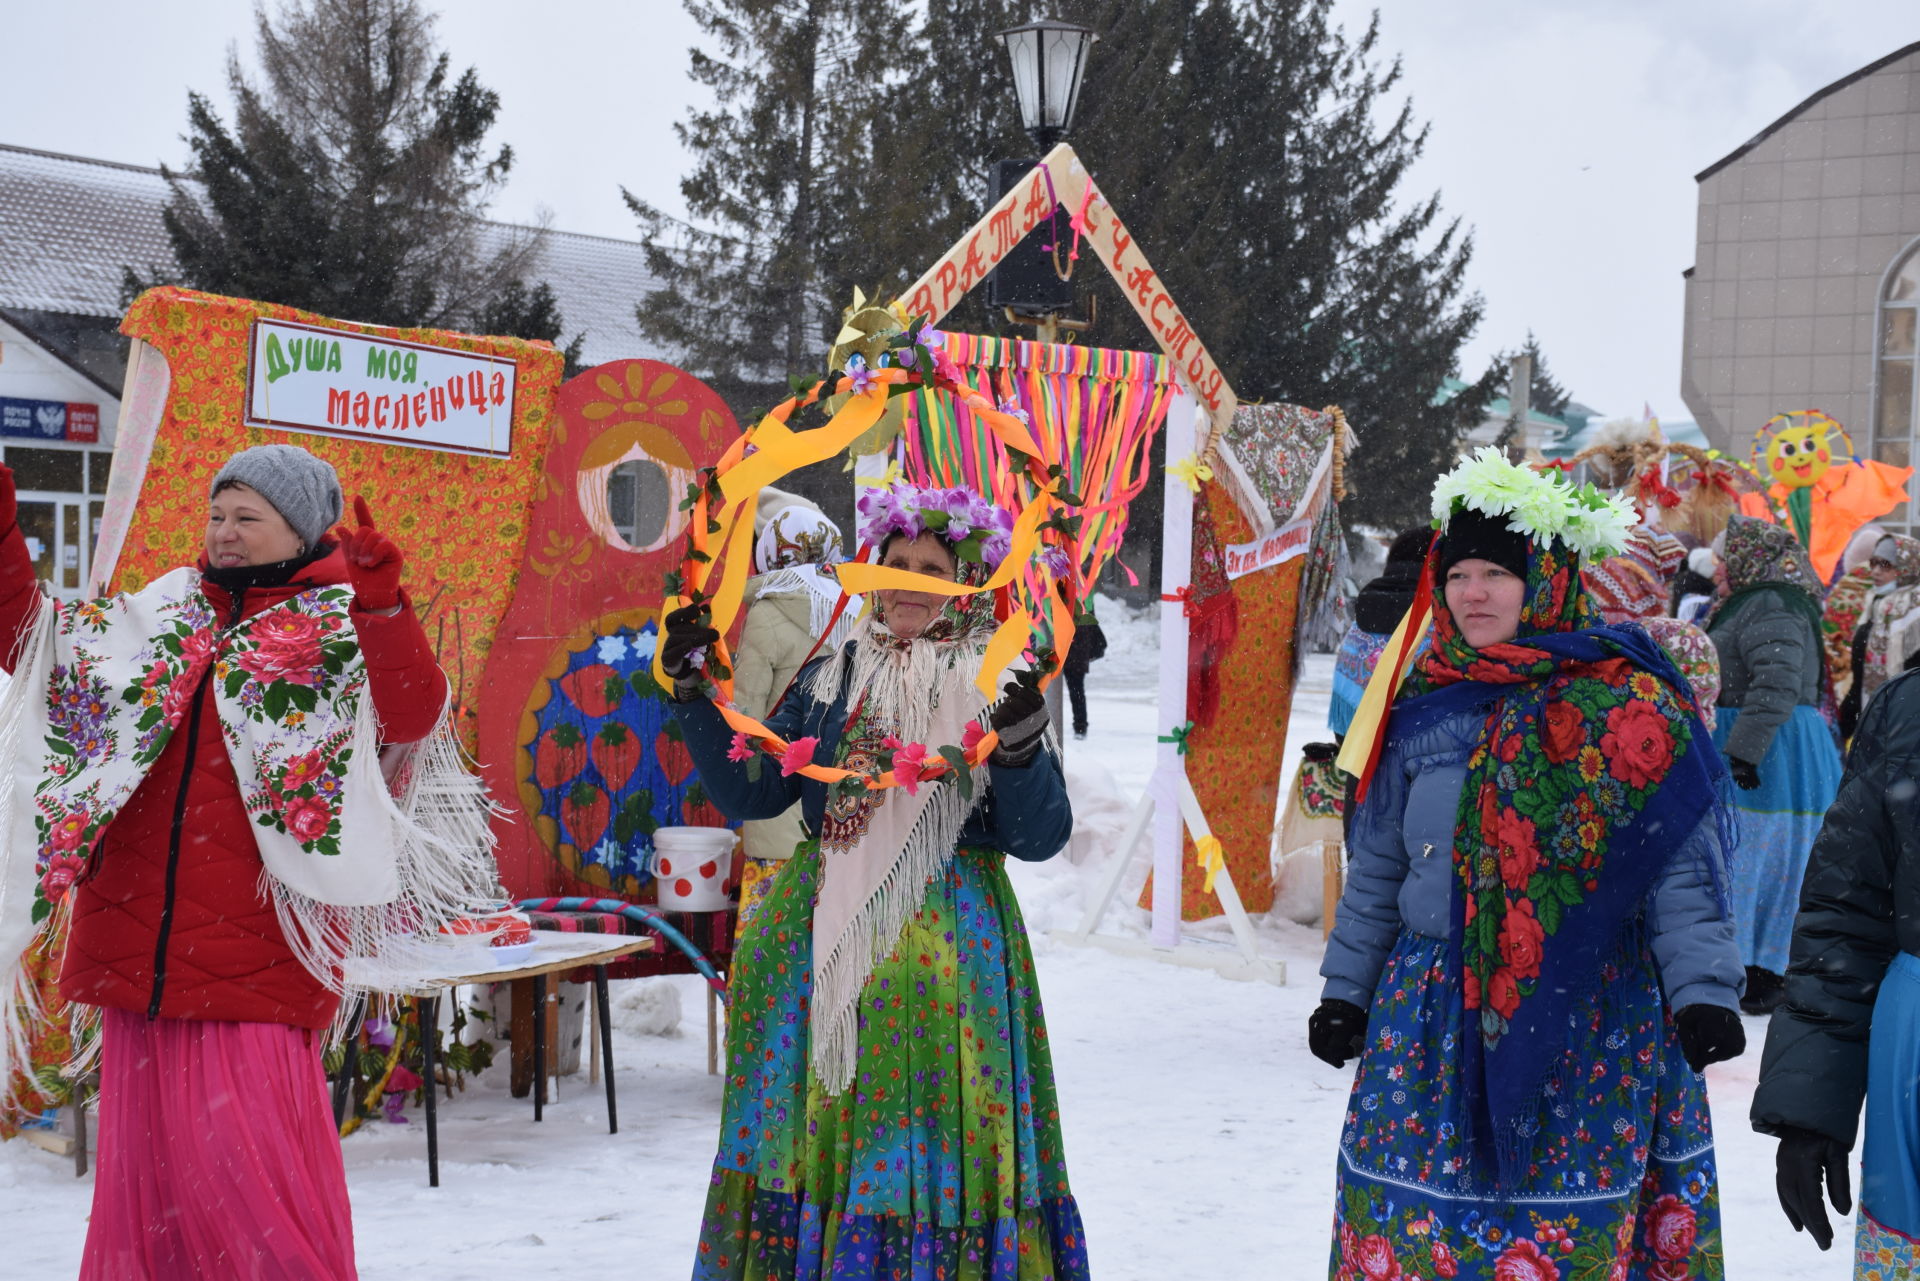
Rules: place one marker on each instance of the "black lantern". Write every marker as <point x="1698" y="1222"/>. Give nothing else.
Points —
<point x="1049" y="57"/>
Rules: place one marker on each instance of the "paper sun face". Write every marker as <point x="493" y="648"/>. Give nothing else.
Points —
<point x="1798" y="456"/>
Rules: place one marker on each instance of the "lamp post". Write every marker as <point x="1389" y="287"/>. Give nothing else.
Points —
<point x="1049" y="57"/>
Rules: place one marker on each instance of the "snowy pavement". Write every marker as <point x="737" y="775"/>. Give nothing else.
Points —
<point x="1200" y="1134"/>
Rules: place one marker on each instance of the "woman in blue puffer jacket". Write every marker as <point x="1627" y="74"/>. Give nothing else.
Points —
<point x="1533" y="957"/>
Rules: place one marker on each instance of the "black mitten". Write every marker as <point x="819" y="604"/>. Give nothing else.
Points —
<point x="1709" y="1034"/>
<point x="1337" y="1031"/>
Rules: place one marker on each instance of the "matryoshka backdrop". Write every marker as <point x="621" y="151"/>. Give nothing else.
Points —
<point x="576" y="744"/>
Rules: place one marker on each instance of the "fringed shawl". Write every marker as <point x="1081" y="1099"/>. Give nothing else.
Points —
<point x="1593" y="770"/>
<point x="365" y="851"/>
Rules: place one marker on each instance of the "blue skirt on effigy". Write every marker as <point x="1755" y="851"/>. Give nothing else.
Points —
<point x="1778" y="821"/>
<point x="1620" y="1178"/>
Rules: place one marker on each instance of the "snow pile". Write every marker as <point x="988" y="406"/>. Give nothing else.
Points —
<point x="647" y="1007"/>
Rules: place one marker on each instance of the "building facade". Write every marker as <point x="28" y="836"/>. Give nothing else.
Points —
<point x="1806" y="275"/>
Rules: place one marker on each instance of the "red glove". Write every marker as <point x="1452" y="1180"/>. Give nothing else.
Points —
<point x="373" y="562"/>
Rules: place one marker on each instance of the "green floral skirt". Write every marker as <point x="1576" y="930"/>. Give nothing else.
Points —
<point x="943" y="1160"/>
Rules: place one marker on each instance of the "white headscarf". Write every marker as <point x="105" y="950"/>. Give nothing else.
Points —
<point x="795" y="552"/>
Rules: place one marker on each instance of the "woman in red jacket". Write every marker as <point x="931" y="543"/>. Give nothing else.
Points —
<point x="225" y="719"/>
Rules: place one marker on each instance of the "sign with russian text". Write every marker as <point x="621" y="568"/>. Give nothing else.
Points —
<point x="1060" y="182"/>
<point x="49" y="420"/>
<point x="335" y="382"/>
<point x="1277" y="548"/>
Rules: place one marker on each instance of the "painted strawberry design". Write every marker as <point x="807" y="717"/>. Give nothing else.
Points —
<point x="675" y="761"/>
<point x="616" y="754"/>
<point x="595" y="690"/>
<point x="585" y="811"/>
<point x="560" y="757"/>
<point x="699" y="811"/>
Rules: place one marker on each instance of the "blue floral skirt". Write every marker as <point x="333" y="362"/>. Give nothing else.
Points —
<point x="1778" y="821"/>
<point x="1621" y="1175"/>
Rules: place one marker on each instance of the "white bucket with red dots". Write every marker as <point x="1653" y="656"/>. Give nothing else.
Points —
<point x="693" y="867"/>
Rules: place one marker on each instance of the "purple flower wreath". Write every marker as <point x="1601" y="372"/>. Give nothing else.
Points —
<point x="976" y="528"/>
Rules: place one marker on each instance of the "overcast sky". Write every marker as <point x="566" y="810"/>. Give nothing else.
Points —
<point x="1565" y="132"/>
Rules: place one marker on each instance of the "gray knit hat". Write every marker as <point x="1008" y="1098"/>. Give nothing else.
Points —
<point x="302" y="488"/>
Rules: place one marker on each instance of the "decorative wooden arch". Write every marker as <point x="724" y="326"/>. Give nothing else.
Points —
<point x="1193" y="432"/>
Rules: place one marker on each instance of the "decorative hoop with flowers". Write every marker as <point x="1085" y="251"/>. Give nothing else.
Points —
<point x="724" y="498"/>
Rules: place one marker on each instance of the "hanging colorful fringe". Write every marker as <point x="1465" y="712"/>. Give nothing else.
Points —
<point x="1095" y="410"/>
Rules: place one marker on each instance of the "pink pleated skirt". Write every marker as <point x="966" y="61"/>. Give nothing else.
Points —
<point x="218" y="1156"/>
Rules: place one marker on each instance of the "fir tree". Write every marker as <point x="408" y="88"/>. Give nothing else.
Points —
<point x="352" y="179"/>
<point x="519" y="312"/>
<point x="1546" y="396"/>
<point x="1255" y="149"/>
<point x="781" y="189"/>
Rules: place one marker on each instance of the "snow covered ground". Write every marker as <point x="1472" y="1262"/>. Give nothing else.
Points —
<point x="1200" y="1133"/>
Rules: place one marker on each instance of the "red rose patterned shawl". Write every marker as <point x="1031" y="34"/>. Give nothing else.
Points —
<point x="1593" y="771"/>
<point x="366" y="852"/>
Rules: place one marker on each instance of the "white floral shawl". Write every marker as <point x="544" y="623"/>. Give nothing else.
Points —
<point x="366" y="854"/>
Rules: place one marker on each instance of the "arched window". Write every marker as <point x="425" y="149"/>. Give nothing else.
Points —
<point x="1893" y="420"/>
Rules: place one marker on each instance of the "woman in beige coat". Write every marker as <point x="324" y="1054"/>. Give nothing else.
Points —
<point x="792" y="600"/>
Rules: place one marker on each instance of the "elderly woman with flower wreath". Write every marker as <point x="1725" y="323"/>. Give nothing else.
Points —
<point x="1533" y="958"/>
<point x="890" y="1110"/>
<point x="195" y="793"/>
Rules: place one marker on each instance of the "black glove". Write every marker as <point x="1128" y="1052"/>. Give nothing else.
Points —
<point x="1745" y="773"/>
<point x="1019" y="718"/>
<point x="1337" y="1031"/>
<point x="688" y="628"/>
<point x="1803" y="1159"/>
<point x="1709" y="1034"/>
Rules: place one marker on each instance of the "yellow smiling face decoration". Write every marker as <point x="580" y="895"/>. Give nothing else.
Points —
<point x="1795" y="450"/>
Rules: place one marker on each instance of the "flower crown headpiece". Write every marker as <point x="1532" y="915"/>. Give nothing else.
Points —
<point x="1541" y="505"/>
<point x="977" y="529"/>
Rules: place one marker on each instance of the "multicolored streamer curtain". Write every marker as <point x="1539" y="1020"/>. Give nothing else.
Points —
<point x="1099" y="408"/>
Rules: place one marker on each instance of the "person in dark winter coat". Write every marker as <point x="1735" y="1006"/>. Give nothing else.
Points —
<point x="1849" y="1024"/>
<point x="1377" y="610"/>
<point x="1848" y="1030"/>
<point x="218" y="1151"/>
<point x="1528" y="1089"/>
<point x="1778" y="745"/>
<point x="1089" y="647"/>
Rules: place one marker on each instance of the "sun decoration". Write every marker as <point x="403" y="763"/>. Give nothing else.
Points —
<point x="1795" y="449"/>
<point x="723" y="500"/>
<point x="1540" y="504"/>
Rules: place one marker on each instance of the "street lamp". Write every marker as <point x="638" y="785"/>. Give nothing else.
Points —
<point x="1049" y="57"/>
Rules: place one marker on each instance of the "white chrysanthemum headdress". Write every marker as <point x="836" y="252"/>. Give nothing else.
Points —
<point x="1541" y="505"/>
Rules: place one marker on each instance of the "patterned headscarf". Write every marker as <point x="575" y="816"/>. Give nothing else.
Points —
<point x="1890" y="637"/>
<point x="1904" y="555"/>
<point x="1761" y="556"/>
<point x="797" y="536"/>
<point x="1760" y="553"/>
<point x="1592" y="760"/>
